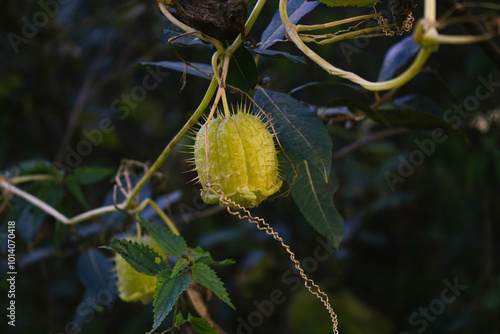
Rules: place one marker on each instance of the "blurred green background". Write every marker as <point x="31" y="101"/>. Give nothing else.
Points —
<point x="401" y="249"/>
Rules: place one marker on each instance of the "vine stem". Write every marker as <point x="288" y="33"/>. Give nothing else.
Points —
<point x="161" y="213"/>
<point x="168" y="149"/>
<point x="203" y="105"/>
<point x="36" y="177"/>
<point x="301" y="27"/>
<point x="420" y="60"/>
<point x="128" y="202"/>
<point x="30" y="198"/>
<point x="352" y="34"/>
<point x="425" y="34"/>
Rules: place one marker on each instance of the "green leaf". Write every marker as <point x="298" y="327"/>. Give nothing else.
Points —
<point x="141" y="257"/>
<point x="185" y="41"/>
<point x="414" y="120"/>
<point x="170" y="243"/>
<point x="29" y="217"/>
<point x="207" y="277"/>
<point x="76" y="190"/>
<point x="362" y="106"/>
<point x="242" y="72"/>
<point x="36" y="166"/>
<point x="179" y="320"/>
<point x="397" y="56"/>
<point x="275" y="31"/>
<point x="343" y="3"/>
<point x="59" y="234"/>
<point x="314" y="198"/>
<point x="89" y="174"/>
<point x="198" y="255"/>
<point x="166" y="293"/>
<point x="200" y="326"/>
<point x="181" y="67"/>
<point x="274" y="54"/>
<point x="180" y="265"/>
<point x="300" y="131"/>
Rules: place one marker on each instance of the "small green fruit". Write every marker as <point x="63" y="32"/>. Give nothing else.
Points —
<point x="132" y="285"/>
<point x="242" y="159"/>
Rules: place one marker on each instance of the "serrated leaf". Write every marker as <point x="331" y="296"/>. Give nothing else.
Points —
<point x="242" y="71"/>
<point x="181" y="67"/>
<point x="356" y="3"/>
<point x="314" y="198"/>
<point x="200" y="326"/>
<point x="185" y="41"/>
<point x="141" y="257"/>
<point x="170" y="243"/>
<point x="89" y="174"/>
<point x="397" y="56"/>
<point x="180" y="265"/>
<point x="300" y="131"/>
<point x="198" y="255"/>
<point x="166" y="293"/>
<point x="207" y="277"/>
<point x="75" y="189"/>
<point x="275" y="31"/>
<point x="415" y="120"/>
<point x="274" y="54"/>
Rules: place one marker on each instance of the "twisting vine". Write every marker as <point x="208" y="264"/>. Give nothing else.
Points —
<point x="262" y="225"/>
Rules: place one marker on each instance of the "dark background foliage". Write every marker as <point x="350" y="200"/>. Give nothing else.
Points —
<point x="399" y="247"/>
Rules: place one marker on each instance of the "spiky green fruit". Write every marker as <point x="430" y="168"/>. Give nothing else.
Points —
<point x="132" y="285"/>
<point x="242" y="159"/>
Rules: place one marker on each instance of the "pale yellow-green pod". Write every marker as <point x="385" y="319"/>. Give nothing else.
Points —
<point x="132" y="285"/>
<point x="242" y="159"/>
